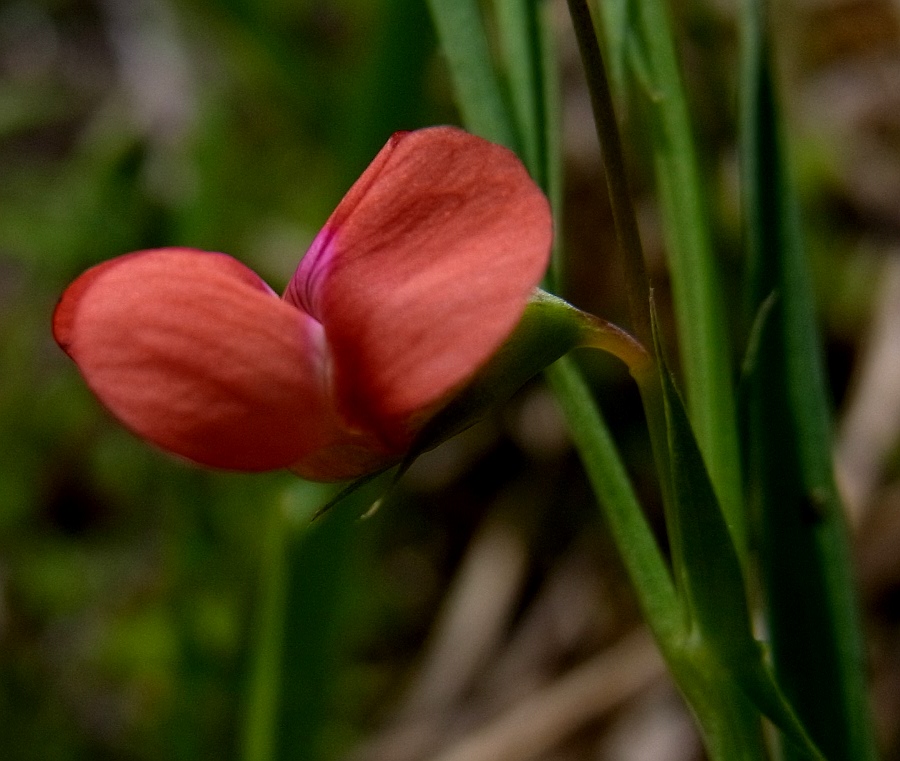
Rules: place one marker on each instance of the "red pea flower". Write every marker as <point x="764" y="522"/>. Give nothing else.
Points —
<point x="415" y="281"/>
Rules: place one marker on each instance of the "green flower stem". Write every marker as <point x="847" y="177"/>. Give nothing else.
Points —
<point x="729" y="723"/>
<point x="718" y="645"/>
<point x="609" y="480"/>
<point x="714" y="652"/>
<point x="652" y="400"/>
<point x="643" y="367"/>
<point x="597" y="333"/>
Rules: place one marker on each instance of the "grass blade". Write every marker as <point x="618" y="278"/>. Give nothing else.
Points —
<point x="461" y="32"/>
<point x="301" y="583"/>
<point x="805" y="560"/>
<point x="706" y="357"/>
<point x="517" y="28"/>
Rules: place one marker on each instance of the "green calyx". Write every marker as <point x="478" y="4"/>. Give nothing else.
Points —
<point x="550" y="328"/>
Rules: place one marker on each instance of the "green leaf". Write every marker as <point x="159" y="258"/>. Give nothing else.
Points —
<point x="706" y="563"/>
<point x="615" y="14"/>
<point x="806" y="570"/>
<point x="517" y="28"/>
<point x="551" y="140"/>
<point x="461" y="32"/>
<point x="293" y="633"/>
<point x="711" y="580"/>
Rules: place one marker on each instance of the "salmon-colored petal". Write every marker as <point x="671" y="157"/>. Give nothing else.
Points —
<point x="192" y="351"/>
<point x="421" y="272"/>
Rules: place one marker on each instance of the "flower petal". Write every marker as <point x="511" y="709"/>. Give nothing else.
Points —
<point x="421" y="272"/>
<point x="194" y="352"/>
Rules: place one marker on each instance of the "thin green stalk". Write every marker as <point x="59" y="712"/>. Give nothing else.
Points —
<point x="640" y="33"/>
<point x="517" y="32"/>
<point x="551" y="124"/>
<point x="636" y="282"/>
<point x="606" y="472"/>
<point x="654" y="412"/>
<point x="633" y="258"/>
<point x="294" y="640"/>
<point x="728" y="720"/>
<point x="637" y="545"/>
<point x="719" y="665"/>
<point x="264" y="685"/>
<point x="609" y="480"/>
<point x="720" y="642"/>
<point x="526" y="31"/>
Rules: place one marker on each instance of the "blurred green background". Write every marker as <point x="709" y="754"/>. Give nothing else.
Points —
<point x="132" y="585"/>
<point x="129" y="581"/>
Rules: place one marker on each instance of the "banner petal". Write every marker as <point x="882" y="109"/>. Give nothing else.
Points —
<point x="422" y="271"/>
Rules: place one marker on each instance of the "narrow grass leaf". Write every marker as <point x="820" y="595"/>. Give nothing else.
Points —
<point x="517" y="28"/>
<point x="551" y="140"/>
<point x="707" y="569"/>
<point x="805" y="560"/>
<point x="644" y="31"/>
<point x="461" y="32"/>
<point x="268" y="668"/>
<point x="315" y="580"/>
<point x="712" y="581"/>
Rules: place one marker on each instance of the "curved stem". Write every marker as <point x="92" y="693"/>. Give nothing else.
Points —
<point x="600" y="334"/>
